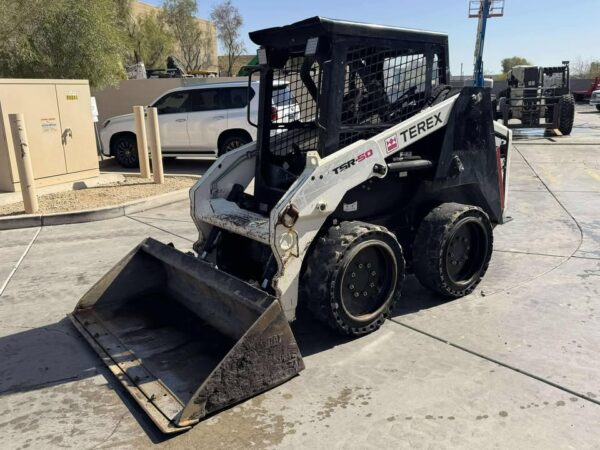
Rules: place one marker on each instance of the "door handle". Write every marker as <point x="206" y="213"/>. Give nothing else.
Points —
<point x="180" y="120"/>
<point x="67" y="133"/>
<point x="218" y="117"/>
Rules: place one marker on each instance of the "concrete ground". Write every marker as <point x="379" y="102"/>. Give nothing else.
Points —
<point x="514" y="365"/>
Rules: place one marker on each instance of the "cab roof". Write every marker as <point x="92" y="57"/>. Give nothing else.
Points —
<point x="322" y="26"/>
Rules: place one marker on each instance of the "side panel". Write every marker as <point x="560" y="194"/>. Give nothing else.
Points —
<point x="77" y="132"/>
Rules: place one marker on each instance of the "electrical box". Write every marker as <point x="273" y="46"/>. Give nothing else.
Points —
<point x="60" y="131"/>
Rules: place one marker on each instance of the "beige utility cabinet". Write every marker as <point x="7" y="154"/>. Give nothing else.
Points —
<point x="60" y="129"/>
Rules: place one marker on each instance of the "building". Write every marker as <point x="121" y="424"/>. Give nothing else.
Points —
<point x="210" y="30"/>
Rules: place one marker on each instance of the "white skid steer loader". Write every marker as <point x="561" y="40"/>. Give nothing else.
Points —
<point x="386" y="169"/>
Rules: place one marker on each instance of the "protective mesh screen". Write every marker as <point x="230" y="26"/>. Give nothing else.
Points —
<point x="294" y="111"/>
<point x="382" y="89"/>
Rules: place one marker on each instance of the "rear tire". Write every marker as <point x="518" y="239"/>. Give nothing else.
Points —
<point x="566" y="106"/>
<point x="232" y="142"/>
<point x="353" y="277"/>
<point x="452" y="249"/>
<point x="124" y="148"/>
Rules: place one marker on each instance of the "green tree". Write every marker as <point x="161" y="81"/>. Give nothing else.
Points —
<point x="151" y="41"/>
<point x="194" y="44"/>
<point x="228" y="20"/>
<point x="63" y="39"/>
<point x="509" y="63"/>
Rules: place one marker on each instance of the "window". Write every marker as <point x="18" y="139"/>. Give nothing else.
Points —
<point x="207" y="100"/>
<point x="173" y="103"/>
<point x="237" y="97"/>
<point x="220" y="98"/>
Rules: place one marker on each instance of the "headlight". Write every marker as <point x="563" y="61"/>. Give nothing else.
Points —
<point x="289" y="216"/>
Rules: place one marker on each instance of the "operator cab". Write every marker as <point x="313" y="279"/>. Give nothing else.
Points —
<point x="347" y="81"/>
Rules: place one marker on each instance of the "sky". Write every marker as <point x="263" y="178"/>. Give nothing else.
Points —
<point x="545" y="32"/>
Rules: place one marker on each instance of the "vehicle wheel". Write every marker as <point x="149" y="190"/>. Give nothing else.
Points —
<point x="598" y="107"/>
<point x="353" y="277"/>
<point x="232" y="142"/>
<point x="125" y="151"/>
<point x="566" y="106"/>
<point x="452" y="249"/>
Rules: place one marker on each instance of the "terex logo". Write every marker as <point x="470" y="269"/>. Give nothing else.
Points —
<point x="353" y="161"/>
<point x="421" y="127"/>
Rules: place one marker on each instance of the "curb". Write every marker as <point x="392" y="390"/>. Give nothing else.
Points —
<point x="92" y="215"/>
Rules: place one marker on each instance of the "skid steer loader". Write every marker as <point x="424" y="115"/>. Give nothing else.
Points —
<point x="385" y="170"/>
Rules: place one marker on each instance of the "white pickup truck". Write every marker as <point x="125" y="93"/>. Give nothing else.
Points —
<point x="203" y="121"/>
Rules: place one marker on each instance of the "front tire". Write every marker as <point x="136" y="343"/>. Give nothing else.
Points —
<point x="124" y="148"/>
<point x="353" y="277"/>
<point x="232" y="142"/>
<point x="566" y="106"/>
<point x="452" y="249"/>
<point x="598" y="107"/>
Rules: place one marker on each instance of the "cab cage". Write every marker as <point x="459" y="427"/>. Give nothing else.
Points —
<point x="348" y="80"/>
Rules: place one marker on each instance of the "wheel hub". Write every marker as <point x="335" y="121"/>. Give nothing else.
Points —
<point x="368" y="280"/>
<point x="465" y="254"/>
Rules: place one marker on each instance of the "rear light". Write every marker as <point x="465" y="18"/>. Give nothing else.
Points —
<point x="274" y="116"/>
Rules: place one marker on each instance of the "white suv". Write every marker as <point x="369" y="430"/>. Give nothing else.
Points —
<point x="205" y="121"/>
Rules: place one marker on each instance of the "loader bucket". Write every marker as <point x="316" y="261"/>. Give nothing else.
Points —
<point x="184" y="338"/>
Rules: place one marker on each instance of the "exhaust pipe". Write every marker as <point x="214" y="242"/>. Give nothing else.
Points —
<point x="184" y="338"/>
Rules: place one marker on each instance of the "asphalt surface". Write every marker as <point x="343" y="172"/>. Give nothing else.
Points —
<point x="515" y="364"/>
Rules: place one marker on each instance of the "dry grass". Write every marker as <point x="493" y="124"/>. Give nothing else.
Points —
<point x="133" y="188"/>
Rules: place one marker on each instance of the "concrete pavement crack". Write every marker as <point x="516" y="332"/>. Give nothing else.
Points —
<point x="564" y="208"/>
<point x="16" y="266"/>
<point x="497" y="361"/>
<point x="158" y="228"/>
<point x="114" y="430"/>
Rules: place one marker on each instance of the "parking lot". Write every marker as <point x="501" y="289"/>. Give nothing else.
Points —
<point x="515" y="364"/>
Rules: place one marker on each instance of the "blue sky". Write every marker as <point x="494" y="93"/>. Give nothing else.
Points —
<point x="544" y="31"/>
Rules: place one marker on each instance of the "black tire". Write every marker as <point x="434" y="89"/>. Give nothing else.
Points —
<point x="232" y="142"/>
<point x="566" y="106"/>
<point x="598" y="107"/>
<point x="442" y="233"/>
<point x="124" y="148"/>
<point x="329" y="289"/>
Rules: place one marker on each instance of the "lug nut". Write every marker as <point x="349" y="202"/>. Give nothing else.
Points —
<point x="368" y="265"/>
<point x="365" y="293"/>
<point x="372" y="284"/>
<point x="356" y="294"/>
<point x="360" y="266"/>
<point x="351" y="287"/>
<point x="373" y="273"/>
<point x="353" y="274"/>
